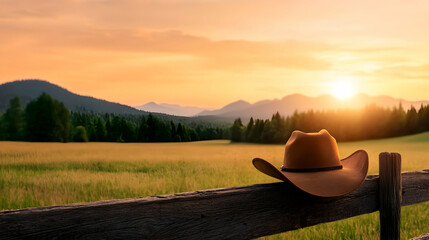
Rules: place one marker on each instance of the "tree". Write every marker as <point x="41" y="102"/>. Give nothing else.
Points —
<point x="128" y="131"/>
<point x="80" y="134"/>
<point x="91" y="129"/>
<point x="174" y="136"/>
<point x="249" y="128"/>
<point x="180" y="132"/>
<point x="13" y="120"/>
<point x="193" y="135"/>
<point x="142" y="131"/>
<point x="100" y="131"/>
<point x="412" y="121"/>
<point x="47" y="120"/>
<point x="255" y="134"/>
<point x="116" y="130"/>
<point x="109" y="128"/>
<point x="237" y="130"/>
<point x="163" y="131"/>
<point x="2" y="128"/>
<point x="268" y="132"/>
<point x="423" y="121"/>
<point x="397" y="121"/>
<point x="151" y="124"/>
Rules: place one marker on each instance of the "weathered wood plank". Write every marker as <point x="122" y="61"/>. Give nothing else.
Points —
<point x="390" y="195"/>
<point x="235" y="213"/>
<point x="415" y="187"/>
<point x="421" y="237"/>
<point x="228" y="213"/>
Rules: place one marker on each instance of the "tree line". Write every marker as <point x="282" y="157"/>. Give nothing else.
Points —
<point x="47" y="120"/>
<point x="371" y="122"/>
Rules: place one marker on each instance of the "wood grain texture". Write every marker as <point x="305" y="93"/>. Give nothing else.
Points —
<point x="228" y="213"/>
<point x="390" y="196"/>
<point x="415" y="187"/>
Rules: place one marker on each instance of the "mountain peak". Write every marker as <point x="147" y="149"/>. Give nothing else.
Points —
<point x="150" y="104"/>
<point x="232" y="107"/>
<point x="236" y="104"/>
<point x="30" y="89"/>
<point x="171" y="109"/>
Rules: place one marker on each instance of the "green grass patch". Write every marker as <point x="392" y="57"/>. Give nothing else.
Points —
<point x="96" y="166"/>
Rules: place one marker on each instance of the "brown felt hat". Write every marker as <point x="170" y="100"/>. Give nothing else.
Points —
<point x="312" y="163"/>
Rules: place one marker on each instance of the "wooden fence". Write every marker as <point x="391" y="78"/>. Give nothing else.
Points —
<point x="226" y="213"/>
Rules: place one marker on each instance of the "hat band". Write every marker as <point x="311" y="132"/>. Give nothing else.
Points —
<point x="283" y="168"/>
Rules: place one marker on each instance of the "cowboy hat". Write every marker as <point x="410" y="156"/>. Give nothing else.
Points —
<point x="312" y="163"/>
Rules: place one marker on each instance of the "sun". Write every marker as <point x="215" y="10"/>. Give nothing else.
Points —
<point x="343" y="88"/>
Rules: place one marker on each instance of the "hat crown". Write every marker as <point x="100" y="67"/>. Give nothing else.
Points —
<point x="311" y="150"/>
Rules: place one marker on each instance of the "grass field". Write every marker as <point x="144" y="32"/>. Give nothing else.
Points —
<point x="42" y="174"/>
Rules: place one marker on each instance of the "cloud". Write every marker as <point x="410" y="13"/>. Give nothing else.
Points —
<point x="222" y="54"/>
<point x="399" y="73"/>
<point x="406" y="72"/>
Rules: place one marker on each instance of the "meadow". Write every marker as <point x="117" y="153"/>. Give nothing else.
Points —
<point x="43" y="174"/>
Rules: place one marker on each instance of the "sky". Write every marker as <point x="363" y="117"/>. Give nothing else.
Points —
<point x="212" y="52"/>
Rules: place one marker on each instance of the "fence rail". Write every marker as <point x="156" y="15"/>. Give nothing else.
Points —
<point x="227" y="213"/>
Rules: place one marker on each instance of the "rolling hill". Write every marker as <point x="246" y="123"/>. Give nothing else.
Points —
<point x="28" y="90"/>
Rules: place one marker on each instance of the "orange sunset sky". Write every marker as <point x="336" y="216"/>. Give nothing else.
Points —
<point x="212" y="52"/>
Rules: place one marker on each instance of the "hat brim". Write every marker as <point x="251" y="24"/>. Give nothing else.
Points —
<point x="330" y="183"/>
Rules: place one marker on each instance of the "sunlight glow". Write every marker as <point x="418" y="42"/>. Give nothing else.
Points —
<point x="343" y="88"/>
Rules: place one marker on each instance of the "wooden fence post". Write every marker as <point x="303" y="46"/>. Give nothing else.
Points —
<point x="390" y="189"/>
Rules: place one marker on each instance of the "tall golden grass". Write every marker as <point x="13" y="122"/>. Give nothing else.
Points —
<point x="41" y="174"/>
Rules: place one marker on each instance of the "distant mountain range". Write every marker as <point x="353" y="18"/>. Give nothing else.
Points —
<point x="289" y="104"/>
<point x="28" y="90"/>
<point x="31" y="89"/>
<point x="286" y="106"/>
<point x="171" y="109"/>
